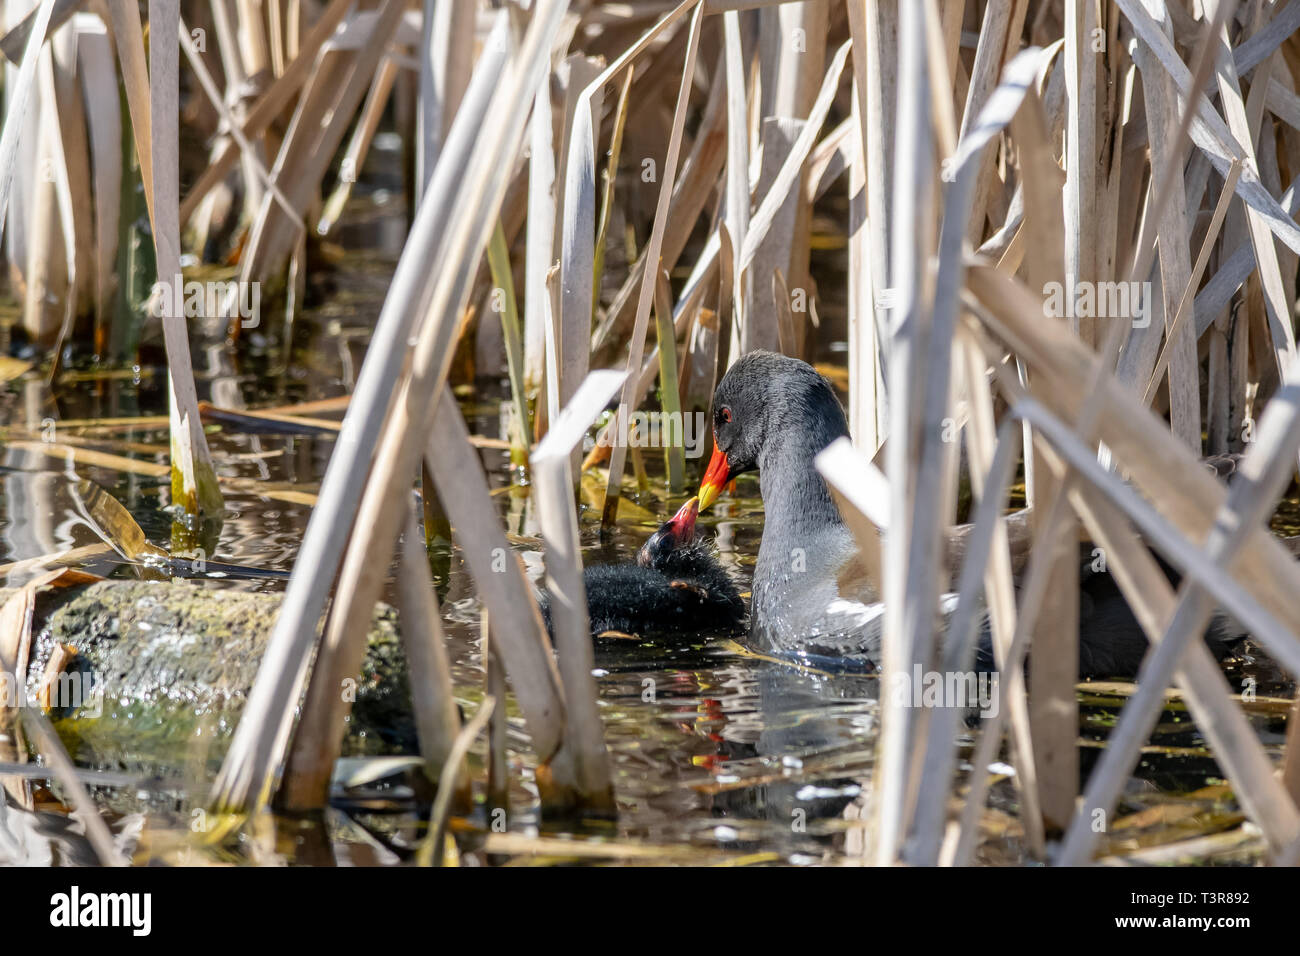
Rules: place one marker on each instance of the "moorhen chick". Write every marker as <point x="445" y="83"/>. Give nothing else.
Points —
<point x="675" y="588"/>
<point x="773" y="414"/>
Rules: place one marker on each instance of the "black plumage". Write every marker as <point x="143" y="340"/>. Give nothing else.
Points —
<point x="689" y="593"/>
<point x="675" y="588"/>
<point x="1111" y="641"/>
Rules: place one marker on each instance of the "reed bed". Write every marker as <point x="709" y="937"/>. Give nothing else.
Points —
<point x="995" y="173"/>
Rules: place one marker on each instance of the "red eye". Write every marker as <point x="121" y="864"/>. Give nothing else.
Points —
<point x="726" y="414"/>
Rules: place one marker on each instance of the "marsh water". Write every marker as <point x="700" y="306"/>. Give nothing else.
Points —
<point x="719" y="755"/>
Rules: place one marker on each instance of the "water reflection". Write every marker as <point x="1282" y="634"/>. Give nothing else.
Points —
<point x="712" y="746"/>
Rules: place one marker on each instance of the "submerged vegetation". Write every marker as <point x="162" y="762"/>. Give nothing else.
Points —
<point x="457" y="281"/>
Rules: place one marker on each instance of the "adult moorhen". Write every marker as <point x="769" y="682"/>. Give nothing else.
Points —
<point x="675" y="588"/>
<point x="773" y="414"/>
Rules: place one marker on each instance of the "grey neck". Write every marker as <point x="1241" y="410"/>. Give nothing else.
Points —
<point x="796" y="502"/>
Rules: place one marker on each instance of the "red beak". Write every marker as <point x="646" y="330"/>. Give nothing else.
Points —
<point x="715" y="477"/>
<point x="683" y="523"/>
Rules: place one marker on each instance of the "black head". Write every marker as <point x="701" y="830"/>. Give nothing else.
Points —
<point x="763" y="401"/>
<point x="674" y="537"/>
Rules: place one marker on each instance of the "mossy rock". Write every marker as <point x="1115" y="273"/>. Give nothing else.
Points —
<point x="169" y="667"/>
